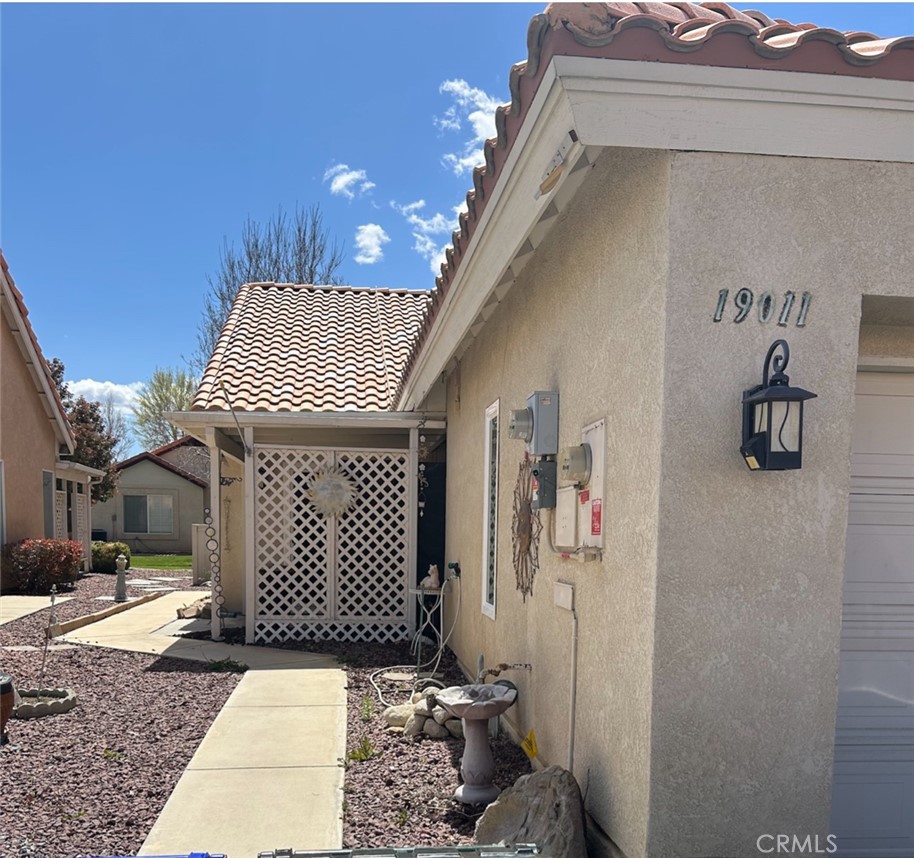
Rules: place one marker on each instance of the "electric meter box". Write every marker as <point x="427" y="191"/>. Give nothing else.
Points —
<point x="544" y="407"/>
<point x="543" y="485"/>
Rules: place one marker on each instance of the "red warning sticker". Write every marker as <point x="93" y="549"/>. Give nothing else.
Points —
<point x="585" y="495"/>
<point x="596" y="517"/>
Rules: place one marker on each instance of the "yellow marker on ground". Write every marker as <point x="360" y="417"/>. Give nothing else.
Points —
<point x="529" y="745"/>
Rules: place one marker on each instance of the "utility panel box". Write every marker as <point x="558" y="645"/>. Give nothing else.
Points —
<point x="543" y="485"/>
<point x="566" y="517"/>
<point x="563" y="594"/>
<point x="544" y="407"/>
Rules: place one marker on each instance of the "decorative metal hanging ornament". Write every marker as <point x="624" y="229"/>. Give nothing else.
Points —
<point x="331" y="492"/>
<point x="525" y="530"/>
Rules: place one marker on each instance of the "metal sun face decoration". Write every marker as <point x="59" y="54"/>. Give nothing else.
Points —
<point x="331" y="492"/>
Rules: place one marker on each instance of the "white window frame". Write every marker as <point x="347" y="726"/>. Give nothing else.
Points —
<point x="171" y="534"/>
<point x="490" y="513"/>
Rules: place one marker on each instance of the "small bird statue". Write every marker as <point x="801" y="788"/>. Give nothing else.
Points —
<point x="432" y="581"/>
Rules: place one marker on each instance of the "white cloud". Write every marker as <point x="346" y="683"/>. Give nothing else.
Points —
<point x="346" y="182"/>
<point x="124" y="395"/>
<point x="477" y="108"/>
<point x="426" y="227"/>
<point x="370" y="239"/>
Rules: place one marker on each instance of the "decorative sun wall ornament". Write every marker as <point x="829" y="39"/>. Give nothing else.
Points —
<point x="332" y="492"/>
<point x="525" y="530"/>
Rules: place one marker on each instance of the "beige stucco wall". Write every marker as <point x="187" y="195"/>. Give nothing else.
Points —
<point x="886" y="341"/>
<point x="148" y="478"/>
<point x="28" y="444"/>
<point x="586" y="317"/>
<point x="750" y="565"/>
<point x="231" y="549"/>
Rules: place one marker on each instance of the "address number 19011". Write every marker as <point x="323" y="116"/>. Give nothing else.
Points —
<point x="766" y="306"/>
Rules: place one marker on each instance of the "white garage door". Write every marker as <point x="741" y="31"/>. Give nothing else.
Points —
<point x="873" y="794"/>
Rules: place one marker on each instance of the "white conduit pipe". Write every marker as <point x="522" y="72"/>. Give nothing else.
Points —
<point x="574" y="688"/>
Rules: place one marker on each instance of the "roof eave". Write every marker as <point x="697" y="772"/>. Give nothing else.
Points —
<point x="193" y="422"/>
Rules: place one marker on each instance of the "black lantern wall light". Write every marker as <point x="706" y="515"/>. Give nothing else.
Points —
<point x="773" y="417"/>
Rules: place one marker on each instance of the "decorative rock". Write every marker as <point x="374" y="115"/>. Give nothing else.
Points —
<point x="431" y="691"/>
<point x="397" y="716"/>
<point x="436" y="730"/>
<point x="441" y="715"/>
<point x="414" y="699"/>
<point x="415" y="725"/>
<point x="394" y="729"/>
<point x="424" y="708"/>
<point x="543" y="808"/>
<point x="454" y="727"/>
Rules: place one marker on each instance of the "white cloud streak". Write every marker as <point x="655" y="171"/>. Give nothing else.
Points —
<point x="424" y="228"/>
<point x="471" y="106"/>
<point x="124" y="395"/>
<point x="345" y="182"/>
<point x="370" y="239"/>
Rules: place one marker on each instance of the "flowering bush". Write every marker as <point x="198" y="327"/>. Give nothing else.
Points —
<point x="104" y="555"/>
<point x="34" y="565"/>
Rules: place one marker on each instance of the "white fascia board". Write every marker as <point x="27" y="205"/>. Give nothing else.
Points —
<point x="509" y="216"/>
<point x="18" y="327"/>
<point x="194" y="421"/>
<point x="64" y="467"/>
<point x="758" y="111"/>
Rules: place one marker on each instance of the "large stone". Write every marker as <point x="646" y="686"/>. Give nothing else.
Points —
<point x="415" y="725"/>
<point x="454" y="727"/>
<point x="441" y="715"/>
<point x="436" y="730"/>
<point x="397" y="716"/>
<point x="543" y="808"/>
<point x="424" y="708"/>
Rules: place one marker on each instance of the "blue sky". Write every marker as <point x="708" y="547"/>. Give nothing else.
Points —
<point x="135" y="137"/>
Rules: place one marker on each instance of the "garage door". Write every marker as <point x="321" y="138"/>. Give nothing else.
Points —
<point x="873" y="794"/>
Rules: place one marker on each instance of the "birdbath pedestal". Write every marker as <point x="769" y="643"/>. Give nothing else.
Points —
<point x="476" y="704"/>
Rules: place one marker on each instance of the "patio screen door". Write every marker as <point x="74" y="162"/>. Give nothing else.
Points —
<point x="341" y="577"/>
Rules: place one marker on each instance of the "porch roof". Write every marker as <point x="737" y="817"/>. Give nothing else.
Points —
<point x="302" y="348"/>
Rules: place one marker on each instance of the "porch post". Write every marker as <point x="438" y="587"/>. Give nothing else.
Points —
<point x="250" y="530"/>
<point x="413" y="524"/>
<point x="213" y="532"/>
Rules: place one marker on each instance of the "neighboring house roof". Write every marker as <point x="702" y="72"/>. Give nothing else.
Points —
<point x="709" y="34"/>
<point x="183" y="441"/>
<point x="31" y="352"/>
<point x="162" y="463"/>
<point x="311" y="348"/>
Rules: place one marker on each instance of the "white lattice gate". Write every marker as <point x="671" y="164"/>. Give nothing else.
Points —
<point x="339" y="578"/>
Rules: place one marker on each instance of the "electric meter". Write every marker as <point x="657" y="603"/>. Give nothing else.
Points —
<point x="520" y="426"/>
<point x="575" y="464"/>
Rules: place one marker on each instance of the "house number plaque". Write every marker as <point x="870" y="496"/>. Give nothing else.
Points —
<point x="766" y="306"/>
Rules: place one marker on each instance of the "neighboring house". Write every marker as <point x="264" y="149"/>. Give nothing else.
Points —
<point x="41" y="494"/>
<point x="672" y="189"/>
<point x="160" y="495"/>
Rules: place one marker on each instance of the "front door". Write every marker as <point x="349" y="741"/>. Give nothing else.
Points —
<point x="873" y="792"/>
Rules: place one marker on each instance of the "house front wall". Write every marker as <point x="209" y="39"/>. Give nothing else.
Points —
<point x="147" y="478"/>
<point x="28" y="443"/>
<point x="750" y="565"/>
<point x="586" y="317"/>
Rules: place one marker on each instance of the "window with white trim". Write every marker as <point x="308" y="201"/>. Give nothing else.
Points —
<point x="148" y="514"/>
<point x="490" y="534"/>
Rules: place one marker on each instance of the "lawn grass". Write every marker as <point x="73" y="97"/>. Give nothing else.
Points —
<point x="161" y="561"/>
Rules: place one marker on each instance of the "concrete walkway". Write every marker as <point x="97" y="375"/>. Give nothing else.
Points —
<point x="15" y="607"/>
<point x="267" y="774"/>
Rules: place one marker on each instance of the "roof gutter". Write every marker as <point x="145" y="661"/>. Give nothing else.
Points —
<point x="193" y="421"/>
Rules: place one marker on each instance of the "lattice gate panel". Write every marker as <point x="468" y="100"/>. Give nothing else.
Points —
<point x="60" y="515"/>
<point x="292" y="554"/>
<point x="82" y="520"/>
<point x="371" y="539"/>
<point x="341" y="578"/>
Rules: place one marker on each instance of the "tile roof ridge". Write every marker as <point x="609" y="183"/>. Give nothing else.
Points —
<point x="340" y="287"/>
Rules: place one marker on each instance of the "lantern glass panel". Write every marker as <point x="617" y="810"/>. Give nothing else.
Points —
<point x="785" y="426"/>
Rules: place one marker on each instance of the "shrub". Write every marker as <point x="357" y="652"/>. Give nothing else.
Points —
<point x="104" y="555"/>
<point x="34" y="565"/>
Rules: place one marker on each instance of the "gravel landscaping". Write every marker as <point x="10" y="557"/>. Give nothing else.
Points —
<point x="92" y="781"/>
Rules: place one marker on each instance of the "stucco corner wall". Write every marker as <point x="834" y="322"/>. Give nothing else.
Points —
<point x="750" y="565"/>
<point x="586" y="317"/>
<point x="231" y="548"/>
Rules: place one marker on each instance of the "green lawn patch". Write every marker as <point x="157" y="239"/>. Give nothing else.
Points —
<point x="160" y="561"/>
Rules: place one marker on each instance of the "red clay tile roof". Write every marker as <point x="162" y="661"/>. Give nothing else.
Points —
<point x="311" y="348"/>
<point x="162" y="463"/>
<point x="183" y="441"/>
<point x="30" y="333"/>
<point x="711" y="34"/>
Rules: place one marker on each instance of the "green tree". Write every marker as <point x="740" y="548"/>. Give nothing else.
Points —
<point x="283" y="250"/>
<point x="168" y="390"/>
<point x="95" y="443"/>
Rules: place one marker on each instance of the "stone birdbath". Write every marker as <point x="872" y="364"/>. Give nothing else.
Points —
<point x="476" y="704"/>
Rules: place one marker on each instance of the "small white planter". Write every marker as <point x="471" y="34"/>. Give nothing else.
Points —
<point x="38" y="702"/>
